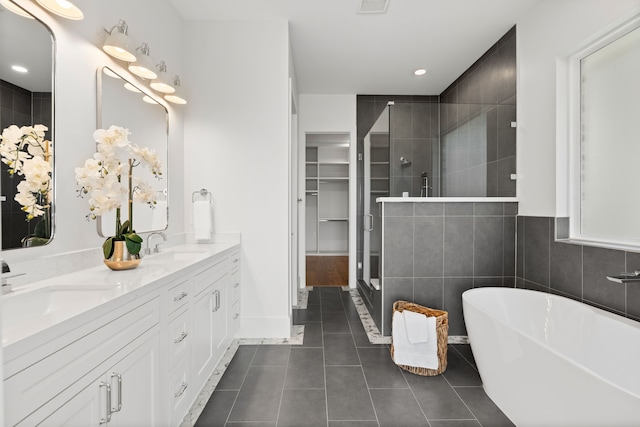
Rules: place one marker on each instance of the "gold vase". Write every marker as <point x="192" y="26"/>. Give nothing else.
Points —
<point x="121" y="259"/>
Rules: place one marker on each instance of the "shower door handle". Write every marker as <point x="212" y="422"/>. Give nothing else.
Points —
<point x="370" y="227"/>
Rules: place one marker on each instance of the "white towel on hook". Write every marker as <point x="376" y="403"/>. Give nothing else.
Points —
<point x="422" y="355"/>
<point x="202" y="220"/>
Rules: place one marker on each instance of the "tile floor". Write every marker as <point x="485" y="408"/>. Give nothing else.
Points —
<point x="337" y="378"/>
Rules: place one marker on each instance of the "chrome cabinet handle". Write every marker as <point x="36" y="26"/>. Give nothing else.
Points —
<point x="179" y="297"/>
<point x="107" y="416"/>
<point x="236" y="285"/>
<point x="119" y="388"/>
<point x="180" y="392"/>
<point x="216" y="294"/>
<point x="180" y="338"/>
<point x="236" y="260"/>
<point x="236" y="315"/>
<point x="370" y="227"/>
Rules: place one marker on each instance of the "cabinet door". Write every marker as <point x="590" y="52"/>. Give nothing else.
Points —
<point x="220" y="317"/>
<point x="135" y="387"/>
<point x="203" y="349"/>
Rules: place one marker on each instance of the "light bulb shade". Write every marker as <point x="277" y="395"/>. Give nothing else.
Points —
<point x="63" y="8"/>
<point x="176" y="97"/>
<point x="11" y="7"/>
<point x="143" y="65"/>
<point x="118" y="43"/>
<point x="162" y="82"/>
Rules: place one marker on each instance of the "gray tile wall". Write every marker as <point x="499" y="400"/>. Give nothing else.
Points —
<point x="486" y="154"/>
<point x="435" y="251"/>
<point x="574" y="271"/>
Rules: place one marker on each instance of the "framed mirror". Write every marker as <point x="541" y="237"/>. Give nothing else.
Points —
<point x="26" y="109"/>
<point x="122" y="103"/>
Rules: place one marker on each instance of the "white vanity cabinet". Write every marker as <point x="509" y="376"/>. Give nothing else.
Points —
<point x="105" y="372"/>
<point x="140" y="359"/>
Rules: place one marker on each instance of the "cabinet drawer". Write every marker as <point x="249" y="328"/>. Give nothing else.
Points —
<point x="179" y="337"/>
<point x="209" y="276"/>
<point x="178" y="295"/>
<point x="30" y="388"/>
<point x="180" y="391"/>
<point x="234" y="260"/>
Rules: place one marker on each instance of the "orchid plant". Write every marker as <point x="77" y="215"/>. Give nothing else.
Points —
<point x="107" y="179"/>
<point x="27" y="153"/>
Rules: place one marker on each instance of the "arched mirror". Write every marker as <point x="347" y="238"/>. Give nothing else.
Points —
<point x="26" y="110"/>
<point x="122" y="103"/>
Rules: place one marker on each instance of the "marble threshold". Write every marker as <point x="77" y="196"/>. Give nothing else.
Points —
<point x="297" y="336"/>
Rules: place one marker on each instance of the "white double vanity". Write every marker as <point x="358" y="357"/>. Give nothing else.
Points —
<point x="100" y="347"/>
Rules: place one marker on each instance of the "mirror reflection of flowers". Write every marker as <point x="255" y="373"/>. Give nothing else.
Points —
<point x="107" y="179"/>
<point x="27" y="154"/>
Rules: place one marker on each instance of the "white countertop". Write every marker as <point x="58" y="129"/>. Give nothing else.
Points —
<point x="447" y="199"/>
<point x="109" y="289"/>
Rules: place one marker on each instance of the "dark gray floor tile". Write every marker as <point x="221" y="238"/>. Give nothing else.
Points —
<point x="331" y="305"/>
<point x="351" y="311"/>
<point x="485" y="411"/>
<point x="347" y="394"/>
<point x="397" y="407"/>
<point x="455" y="423"/>
<point x="313" y="298"/>
<point x="359" y="335"/>
<point x="312" y="334"/>
<point x="465" y="351"/>
<point x="459" y="372"/>
<point x="251" y="424"/>
<point x="237" y="369"/>
<point x="305" y="369"/>
<point x="303" y="408"/>
<point x="217" y="410"/>
<point x="436" y="398"/>
<point x="310" y="314"/>
<point x="353" y="423"/>
<point x="259" y="397"/>
<point x="335" y="323"/>
<point x="339" y="349"/>
<point x="271" y="355"/>
<point x="379" y="369"/>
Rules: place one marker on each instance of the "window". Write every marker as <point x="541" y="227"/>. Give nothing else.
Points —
<point x="602" y="167"/>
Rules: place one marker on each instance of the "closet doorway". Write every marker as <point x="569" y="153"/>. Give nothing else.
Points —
<point x="327" y="209"/>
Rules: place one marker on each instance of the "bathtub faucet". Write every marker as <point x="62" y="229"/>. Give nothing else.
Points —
<point x="626" y="277"/>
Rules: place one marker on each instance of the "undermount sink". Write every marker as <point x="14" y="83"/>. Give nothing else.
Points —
<point x="35" y="310"/>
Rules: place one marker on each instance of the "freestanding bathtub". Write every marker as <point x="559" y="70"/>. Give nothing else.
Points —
<point x="547" y="360"/>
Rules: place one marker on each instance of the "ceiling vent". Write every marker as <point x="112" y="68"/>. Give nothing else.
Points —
<point x="373" y="6"/>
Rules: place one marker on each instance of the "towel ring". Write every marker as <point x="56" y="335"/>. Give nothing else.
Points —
<point x="202" y="193"/>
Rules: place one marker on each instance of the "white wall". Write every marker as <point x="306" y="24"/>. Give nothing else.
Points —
<point x="236" y="146"/>
<point x="78" y="56"/>
<point x="329" y="114"/>
<point x="549" y="30"/>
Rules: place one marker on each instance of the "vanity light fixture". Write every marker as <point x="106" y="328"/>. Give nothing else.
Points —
<point x="161" y="83"/>
<point x="118" y="43"/>
<point x="63" y="8"/>
<point x="19" y="69"/>
<point x="176" y="97"/>
<point x="420" y="72"/>
<point x="12" y="7"/>
<point x="143" y="65"/>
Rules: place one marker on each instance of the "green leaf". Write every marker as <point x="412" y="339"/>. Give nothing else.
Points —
<point x="134" y="237"/>
<point x="125" y="227"/>
<point x="107" y="248"/>
<point x="132" y="246"/>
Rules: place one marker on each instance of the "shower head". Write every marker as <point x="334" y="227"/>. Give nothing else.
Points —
<point x="404" y="162"/>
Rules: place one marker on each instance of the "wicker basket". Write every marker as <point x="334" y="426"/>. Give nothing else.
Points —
<point x="442" y="330"/>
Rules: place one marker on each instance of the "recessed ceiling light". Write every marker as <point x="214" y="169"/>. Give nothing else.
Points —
<point x="420" y="72"/>
<point x="19" y="69"/>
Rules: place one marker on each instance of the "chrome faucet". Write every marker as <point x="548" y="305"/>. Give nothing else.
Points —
<point x="6" y="274"/>
<point x="626" y="277"/>
<point x="156" y="249"/>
